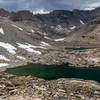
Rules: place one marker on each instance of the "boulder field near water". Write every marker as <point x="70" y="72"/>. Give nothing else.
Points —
<point x="31" y="88"/>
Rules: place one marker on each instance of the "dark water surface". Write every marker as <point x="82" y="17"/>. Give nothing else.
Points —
<point x="55" y="72"/>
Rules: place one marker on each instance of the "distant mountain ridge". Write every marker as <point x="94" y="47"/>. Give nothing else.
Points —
<point x="56" y="24"/>
<point x="57" y="17"/>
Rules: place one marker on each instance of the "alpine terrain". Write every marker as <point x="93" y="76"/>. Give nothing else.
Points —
<point x="60" y="37"/>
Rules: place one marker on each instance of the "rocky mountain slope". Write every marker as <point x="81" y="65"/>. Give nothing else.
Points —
<point x="87" y="35"/>
<point x="55" y="19"/>
<point x="49" y="39"/>
<point x="25" y="37"/>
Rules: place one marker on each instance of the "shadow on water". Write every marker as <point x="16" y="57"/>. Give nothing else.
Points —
<point x="53" y="72"/>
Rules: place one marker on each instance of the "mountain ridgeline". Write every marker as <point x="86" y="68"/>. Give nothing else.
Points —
<point x="56" y="17"/>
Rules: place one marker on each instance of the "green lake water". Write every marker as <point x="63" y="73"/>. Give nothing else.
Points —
<point x="53" y="72"/>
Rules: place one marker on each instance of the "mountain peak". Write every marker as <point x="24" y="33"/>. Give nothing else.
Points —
<point x="21" y="15"/>
<point x="4" y="13"/>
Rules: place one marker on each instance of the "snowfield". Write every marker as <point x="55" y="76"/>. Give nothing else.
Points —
<point x="29" y="48"/>
<point x="11" y="49"/>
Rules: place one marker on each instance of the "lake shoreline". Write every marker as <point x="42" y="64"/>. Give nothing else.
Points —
<point x="2" y="69"/>
<point x="50" y="87"/>
<point x="53" y="72"/>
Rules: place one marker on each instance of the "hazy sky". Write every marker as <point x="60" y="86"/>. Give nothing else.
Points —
<point x="48" y="4"/>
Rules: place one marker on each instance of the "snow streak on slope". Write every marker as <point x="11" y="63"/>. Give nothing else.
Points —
<point x="73" y="27"/>
<point x="82" y="22"/>
<point x="29" y="48"/>
<point x="17" y="27"/>
<point x="45" y="44"/>
<point x="3" y="64"/>
<point x="21" y="58"/>
<point x="4" y="58"/>
<point x="2" y="31"/>
<point x="11" y="49"/>
<point x="61" y="39"/>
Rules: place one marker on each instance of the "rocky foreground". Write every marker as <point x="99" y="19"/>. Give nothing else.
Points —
<point x="31" y="88"/>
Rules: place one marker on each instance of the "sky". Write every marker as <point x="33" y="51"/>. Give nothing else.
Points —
<point x="48" y="5"/>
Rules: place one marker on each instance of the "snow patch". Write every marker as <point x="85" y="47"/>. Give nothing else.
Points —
<point x="33" y="46"/>
<point x="32" y="31"/>
<point x="73" y="27"/>
<point x="29" y="48"/>
<point x="27" y="45"/>
<point x="17" y="27"/>
<point x="11" y="49"/>
<point x="40" y="11"/>
<point x="43" y="33"/>
<point x="82" y="22"/>
<point x="47" y="38"/>
<point x="45" y="44"/>
<point x="21" y="58"/>
<point x="61" y="39"/>
<point x="3" y="64"/>
<point x="4" y="58"/>
<point x="2" y="31"/>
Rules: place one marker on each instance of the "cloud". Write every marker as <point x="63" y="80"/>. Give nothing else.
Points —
<point x="48" y="4"/>
<point x="92" y="5"/>
<point x="96" y="4"/>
